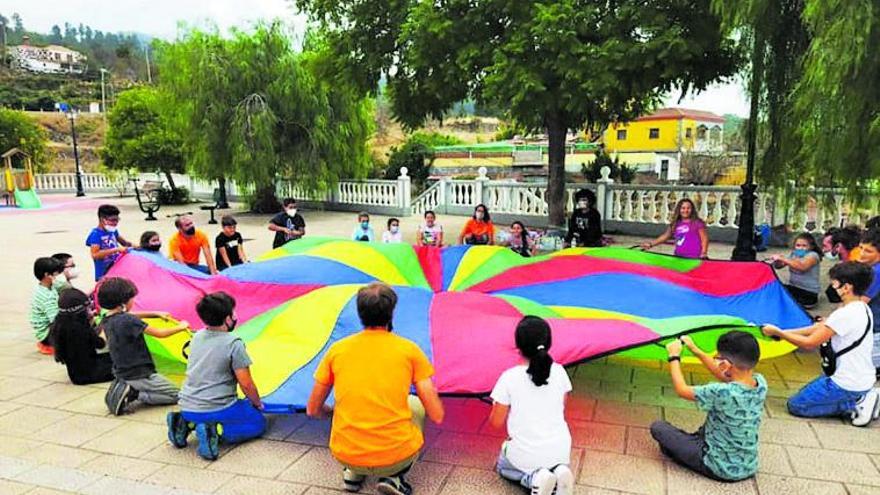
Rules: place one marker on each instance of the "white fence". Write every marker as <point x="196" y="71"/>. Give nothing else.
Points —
<point x="624" y="207"/>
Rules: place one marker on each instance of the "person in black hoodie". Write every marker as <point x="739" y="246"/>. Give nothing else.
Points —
<point x="585" y="224"/>
<point x="76" y="340"/>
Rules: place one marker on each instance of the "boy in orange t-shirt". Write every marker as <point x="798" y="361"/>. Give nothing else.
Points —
<point x="188" y="244"/>
<point x="377" y="425"/>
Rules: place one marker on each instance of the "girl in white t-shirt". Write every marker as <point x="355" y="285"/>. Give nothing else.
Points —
<point x="531" y="398"/>
<point x="431" y="233"/>
<point x="392" y="235"/>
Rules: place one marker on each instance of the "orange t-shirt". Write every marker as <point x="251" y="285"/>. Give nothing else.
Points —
<point x="190" y="247"/>
<point x="371" y="373"/>
<point x="479" y="229"/>
<point x="855" y="254"/>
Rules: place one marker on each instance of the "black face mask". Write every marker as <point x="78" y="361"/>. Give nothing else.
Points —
<point x="230" y="327"/>
<point x="190" y="231"/>
<point x="153" y="247"/>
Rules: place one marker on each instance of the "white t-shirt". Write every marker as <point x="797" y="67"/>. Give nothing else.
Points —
<point x="855" y="369"/>
<point x="430" y="235"/>
<point x="389" y="238"/>
<point x="539" y="436"/>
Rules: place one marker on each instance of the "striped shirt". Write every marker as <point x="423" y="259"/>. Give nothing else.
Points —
<point x="44" y="307"/>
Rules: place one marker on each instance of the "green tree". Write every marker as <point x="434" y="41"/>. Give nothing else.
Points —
<point x="417" y="155"/>
<point x="620" y="173"/>
<point x="251" y="109"/>
<point x="140" y="135"/>
<point x="17" y="130"/>
<point x="556" y="66"/>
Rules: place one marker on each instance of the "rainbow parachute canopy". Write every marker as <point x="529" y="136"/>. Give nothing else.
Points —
<point x="461" y="304"/>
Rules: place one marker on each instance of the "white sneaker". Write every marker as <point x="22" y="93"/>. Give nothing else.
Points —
<point x="866" y="408"/>
<point x="876" y="414"/>
<point x="543" y="482"/>
<point x="564" y="480"/>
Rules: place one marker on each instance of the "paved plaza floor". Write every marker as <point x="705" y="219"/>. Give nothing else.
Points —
<point x="58" y="438"/>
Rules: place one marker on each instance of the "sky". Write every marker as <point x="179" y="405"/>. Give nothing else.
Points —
<point x="160" y="18"/>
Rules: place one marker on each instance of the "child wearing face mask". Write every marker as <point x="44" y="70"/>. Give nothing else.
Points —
<point x="104" y="241"/>
<point x="44" y="303"/>
<point x="218" y="363"/>
<point x="479" y="230"/>
<point x="725" y="448"/>
<point x="76" y="341"/>
<point x="288" y="225"/>
<point x="229" y="244"/>
<point x="393" y="234"/>
<point x="585" y="224"/>
<point x="362" y="231"/>
<point x="151" y="242"/>
<point x="803" y="265"/>
<point x="64" y="280"/>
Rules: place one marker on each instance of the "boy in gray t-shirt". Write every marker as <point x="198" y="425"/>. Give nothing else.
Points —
<point x="218" y="362"/>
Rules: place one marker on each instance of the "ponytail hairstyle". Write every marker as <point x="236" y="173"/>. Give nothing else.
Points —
<point x="533" y="339"/>
<point x="71" y="323"/>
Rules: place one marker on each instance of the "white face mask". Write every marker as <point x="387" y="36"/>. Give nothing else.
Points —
<point x="583" y="205"/>
<point x="71" y="273"/>
<point x="110" y="228"/>
<point x="291" y="212"/>
<point x="394" y="229"/>
<point x="478" y="215"/>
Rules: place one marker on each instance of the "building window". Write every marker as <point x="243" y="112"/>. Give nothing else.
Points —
<point x="654" y="133"/>
<point x="621" y="135"/>
<point x="689" y="133"/>
<point x="664" y="169"/>
<point x="701" y="132"/>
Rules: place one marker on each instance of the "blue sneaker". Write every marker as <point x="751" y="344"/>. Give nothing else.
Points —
<point x="209" y="441"/>
<point x="178" y="429"/>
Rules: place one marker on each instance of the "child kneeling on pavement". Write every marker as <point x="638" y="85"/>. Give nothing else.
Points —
<point x="725" y="448"/>
<point x="209" y="404"/>
<point x="845" y="388"/>
<point x="133" y="366"/>
<point x="377" y="424"/>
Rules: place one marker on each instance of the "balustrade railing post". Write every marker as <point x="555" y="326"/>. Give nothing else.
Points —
<point x="604" y="196"/>
<point x="442" y="199"/>
<point x="404" y="192"/>
<point x="481" y="188"/>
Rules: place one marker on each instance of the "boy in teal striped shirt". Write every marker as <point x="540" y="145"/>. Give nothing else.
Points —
<point x="44" y="304"/>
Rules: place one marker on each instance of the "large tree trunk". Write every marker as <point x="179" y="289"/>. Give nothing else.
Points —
<point x="265" y="200"/>
<point x="556" y="130"/>
<point x="222" y="201"/>
<point x="171" y="181"/>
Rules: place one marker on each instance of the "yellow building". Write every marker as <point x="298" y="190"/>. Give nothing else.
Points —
<point x="656" y="142"/>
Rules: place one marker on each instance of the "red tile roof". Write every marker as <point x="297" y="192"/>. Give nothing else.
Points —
<point x="683" y="113"/>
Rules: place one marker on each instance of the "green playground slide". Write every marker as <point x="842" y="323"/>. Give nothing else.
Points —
<point x="27" y="199"/>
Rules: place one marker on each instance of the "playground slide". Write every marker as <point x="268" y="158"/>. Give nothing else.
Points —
<point x="27" y="199"/>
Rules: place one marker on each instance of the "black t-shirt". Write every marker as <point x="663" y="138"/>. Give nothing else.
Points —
<point x="230" y="244"/>
<point x="131" y="358"/>
<point x="83" y="363"/>
<point x="284" y="220"/>
<point x="585" y="228"/>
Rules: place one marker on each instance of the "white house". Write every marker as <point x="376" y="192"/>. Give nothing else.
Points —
<point x="52" y="59"/>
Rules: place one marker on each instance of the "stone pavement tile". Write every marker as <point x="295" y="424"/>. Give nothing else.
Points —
<point x="109" y="485"/>
<point x="639" y="442"/>
<point x="12" y="387"/>
<point x="788" y="432"/>
<point x="244" y="485"/>
<point x="625" y="413"/>
<point x="13" y="446"/>
<point x="315" y="467"/>
<point x="48" y="491"/>
<point x="623" y="472"/>
<point x="464" y="449"/>
<point x="188" y="478"/>
<point x="18" y="348"/>
<point x="473" y="481"/>
<point x="315" y="490"/>
<point x="169" y="454"/>
<point x="773" y="459"/>
<point x="833" y="465"/>
<point x="12" y="466"/>
<point x="849" y="438"/>
<point x="638" y="363"/>
<point x="25" y="421"/>
<point x="464" y="416"/>
<point x="592" y="490"/>
<point x="598" y="436"/>
<point x="661" y="399"/>
<point x="682" y="480"/>
<point x="683" y="418"/>
<point x="280" y="426"/>
<point x="646" y="376"/>
<point x="771" y="484"/>
<point x="131" y="439"/>
<point x="428" y="477"/>
<point x="798" y="373"/>
<point x="57" y="478"/>
<point x="143" y="413"/>
<point x="6" y="406"/>
<point x="44" y="369"/>
<point x="259" y="458"/>
<point x="13" y="488"/>
<point x="580" y="407"/>
<point x="313" y="432"/>
<point x="862" y="490"/>
<point x="779" y="389"/>
<point x="77" y="430"/>
<point x="771" y="370"/>
<point x="53" y="395"/>
<point x="121" y="467"/>
<point x="58" y="455"/>
<point x="91" y="403"/>
<point x="604" y="372"/>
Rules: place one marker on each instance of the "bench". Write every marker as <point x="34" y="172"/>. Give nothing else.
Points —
<point x="149" y="203"/>
<point x="211" y="208"/>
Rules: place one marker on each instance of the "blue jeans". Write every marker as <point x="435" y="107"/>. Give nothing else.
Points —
<point x="822" y="398"/>
<point x="510" y="472"/>
<point x="241" y="421"/>
<point x="202" y="268"/>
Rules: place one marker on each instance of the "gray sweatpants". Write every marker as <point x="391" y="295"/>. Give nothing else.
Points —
<point x="155" y="389"/>
<point x="684" y="448"/>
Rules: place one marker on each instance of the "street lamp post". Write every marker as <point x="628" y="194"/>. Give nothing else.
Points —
<point x="103" y="97"/>
<point x="71" y="114"/>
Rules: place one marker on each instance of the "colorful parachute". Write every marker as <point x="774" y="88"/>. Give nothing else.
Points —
<point x="461" y="304"/>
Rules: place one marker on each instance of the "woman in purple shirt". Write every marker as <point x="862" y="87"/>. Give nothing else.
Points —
<point x="689" y="232"/>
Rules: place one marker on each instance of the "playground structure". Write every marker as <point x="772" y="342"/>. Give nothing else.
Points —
<point x="19" y="181"/>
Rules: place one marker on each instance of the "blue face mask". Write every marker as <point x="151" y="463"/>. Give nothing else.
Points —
<point x="365" y="225"/>
<point x="800" y="253"/>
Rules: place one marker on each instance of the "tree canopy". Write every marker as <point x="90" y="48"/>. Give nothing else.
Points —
<point x="17" y="130"/>
<point x="249" y="108"/>
<point x="140" y="134"/>
<point x="557" y="66"/>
